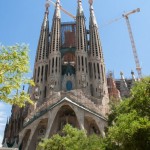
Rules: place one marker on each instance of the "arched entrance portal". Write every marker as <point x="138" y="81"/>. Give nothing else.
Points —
<point x="64" y="116"/>
<point x="91" y="126"/>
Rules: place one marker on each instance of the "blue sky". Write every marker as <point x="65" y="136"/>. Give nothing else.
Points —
<point x="21" y="23"/>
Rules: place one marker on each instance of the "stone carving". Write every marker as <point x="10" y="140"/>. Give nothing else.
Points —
<point x="52" y="84"/>
<point x="83" y="80"/>
<point x="36" y="92"/>
<point x="101" y="88"/>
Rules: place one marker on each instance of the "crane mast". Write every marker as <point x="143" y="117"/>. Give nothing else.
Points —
<point x="126" y="16"/>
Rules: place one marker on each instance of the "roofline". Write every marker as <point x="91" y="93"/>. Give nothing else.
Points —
<point x="37" y="115"/>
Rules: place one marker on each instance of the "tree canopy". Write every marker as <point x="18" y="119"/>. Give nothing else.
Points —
<point x="130" y="121"/>
<point x="14" y="64"/>
<point x="72" y="139"/>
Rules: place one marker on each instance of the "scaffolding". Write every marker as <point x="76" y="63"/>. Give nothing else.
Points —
<point x="68" y="30"/>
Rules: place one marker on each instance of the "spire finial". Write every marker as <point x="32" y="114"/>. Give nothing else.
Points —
<point x="80" y="9"/>
<point x="79" y="3"/>
<point x="57" y="1"/>
<point x="47" y="5"/>
<point x="58" y="9"/>
<point x="121" y="73"/>
<point x="133" y="76"/>
<point x="132" y="73"/>
<point x="91" y="2"/>
<point x="92" y="15"/>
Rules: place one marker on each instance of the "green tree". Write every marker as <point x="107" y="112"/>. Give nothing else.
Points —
<point x="130" y="121"/>
<point x="72" y="139"/>
<point x="14" y="64"/>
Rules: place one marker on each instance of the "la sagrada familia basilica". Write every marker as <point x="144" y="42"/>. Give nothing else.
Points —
<point x="71" y="83"/>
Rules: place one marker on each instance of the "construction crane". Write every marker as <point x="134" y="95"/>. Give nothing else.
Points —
<point x="126" y="16"/>
<point x="61" y="8"/>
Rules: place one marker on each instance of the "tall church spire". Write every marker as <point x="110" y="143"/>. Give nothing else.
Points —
<point x="55" y="55"/>
<point x="95" y="44"/>
<point x="42" y="50"/>
<point x="97" y="71"/>
<point x="55" y="31"/>
<point x="41" y="62"/>
<point x="82" y="78"/>
<point x="81" y="37"/>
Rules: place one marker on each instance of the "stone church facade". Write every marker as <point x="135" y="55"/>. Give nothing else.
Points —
<point x="71" y="84"/>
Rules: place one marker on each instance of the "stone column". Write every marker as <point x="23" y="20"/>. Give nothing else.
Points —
<point x="101" y="127"/>
<point x="21" y="135"/>
<point x="34" y="127"/>
<point x="49" y="125"/>
<point x="80" y="117"/>
<point x="51" y="117"/>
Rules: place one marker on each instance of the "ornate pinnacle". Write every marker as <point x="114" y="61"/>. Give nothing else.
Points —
<point x="47" y="5"/>
<point x="91" y="2"/>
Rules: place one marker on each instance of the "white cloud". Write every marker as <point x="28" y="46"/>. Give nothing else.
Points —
<point x="2" y="105"/>
<point x="3" y="118"/>
<point x="1" y="138"/>
<point x="4" y="113"/>
<point x="2" y="125"/>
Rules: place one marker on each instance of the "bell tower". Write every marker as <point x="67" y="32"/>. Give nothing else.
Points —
<point x="98" y="80"/>
<point x="82" y="78"/>
<point x="54" y="51"/>
<point x="41" y="60"/>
